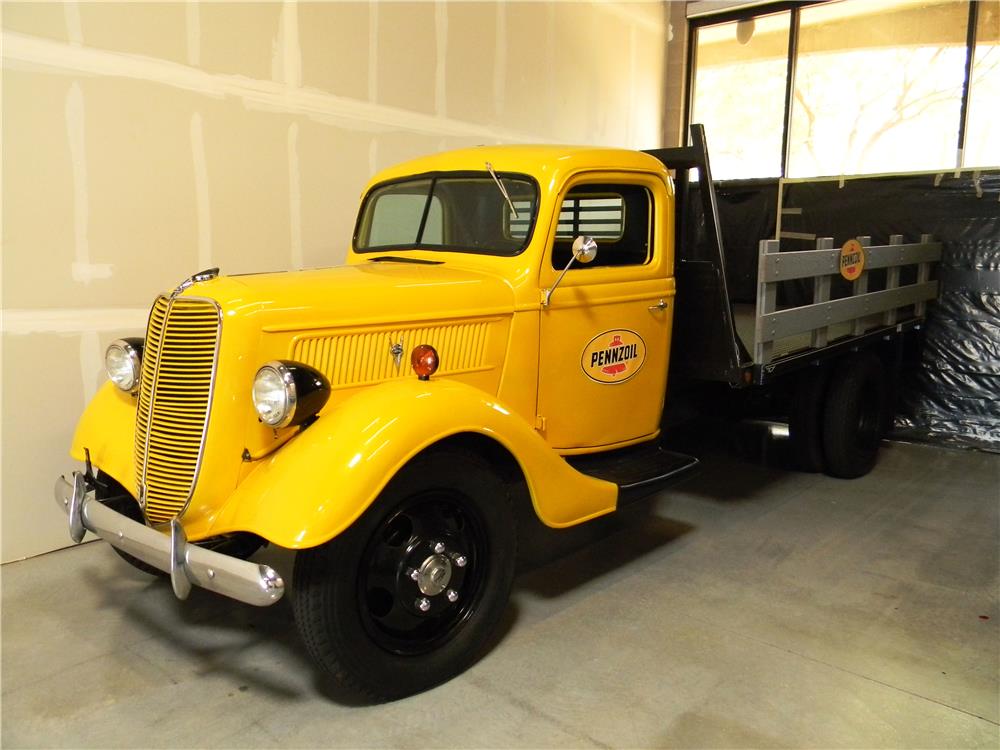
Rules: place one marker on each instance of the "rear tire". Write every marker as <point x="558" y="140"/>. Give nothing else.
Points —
<point x="854" y="416"/>
<point x="805" y="423"/>
<point x="357" y="598"/>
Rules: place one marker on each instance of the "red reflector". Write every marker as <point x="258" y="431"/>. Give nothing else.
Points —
<point x="424" y="361"/>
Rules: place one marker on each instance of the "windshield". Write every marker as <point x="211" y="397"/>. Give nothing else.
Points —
<point x="464" y="213"/>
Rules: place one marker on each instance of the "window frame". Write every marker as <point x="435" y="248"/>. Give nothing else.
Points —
<point x="753" y="11"/>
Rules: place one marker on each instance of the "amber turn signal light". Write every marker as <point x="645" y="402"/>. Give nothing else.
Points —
<point x="424" y="361"/>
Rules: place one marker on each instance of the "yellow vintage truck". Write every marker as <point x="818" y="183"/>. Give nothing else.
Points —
<point x="504" y="318"/>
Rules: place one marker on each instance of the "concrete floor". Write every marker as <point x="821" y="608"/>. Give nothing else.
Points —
<point x="748" y="607"/>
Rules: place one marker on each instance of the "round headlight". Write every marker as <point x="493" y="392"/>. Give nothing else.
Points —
<point x="122" y="361"/>
<point x="274" y="394"/>
<point x="288" y="393"/>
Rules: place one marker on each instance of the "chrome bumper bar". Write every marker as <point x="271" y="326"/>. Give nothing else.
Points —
<point x="186" y="563"/>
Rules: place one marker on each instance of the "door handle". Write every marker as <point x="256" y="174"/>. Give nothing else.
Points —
<point x="659" y="306"/>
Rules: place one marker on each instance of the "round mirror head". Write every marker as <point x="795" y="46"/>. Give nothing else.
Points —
<point x="584" y="248"/>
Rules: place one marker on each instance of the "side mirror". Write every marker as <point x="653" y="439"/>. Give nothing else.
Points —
<point x="584" y="251"/>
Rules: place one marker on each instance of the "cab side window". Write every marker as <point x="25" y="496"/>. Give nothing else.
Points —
<point x="618" y="216"/>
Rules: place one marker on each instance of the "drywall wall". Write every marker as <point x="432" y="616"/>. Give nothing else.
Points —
<point x="145" y="141"/>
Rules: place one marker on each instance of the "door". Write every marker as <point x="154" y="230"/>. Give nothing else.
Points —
<point x="605" y="335"/>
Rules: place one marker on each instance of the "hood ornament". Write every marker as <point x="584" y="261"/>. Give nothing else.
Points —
<point x="205" y="275"/>
<point x="396" y="350"/>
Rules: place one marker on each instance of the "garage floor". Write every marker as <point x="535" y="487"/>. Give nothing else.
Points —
<point x="748" y="607"/>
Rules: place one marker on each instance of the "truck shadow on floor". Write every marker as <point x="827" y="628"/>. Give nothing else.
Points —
<point x="253" y="649"/>
<point x="738" y="459"/>
<point x="553" y="562"/>
<point x="206" y="634"/>
<point x="258" y="649"/>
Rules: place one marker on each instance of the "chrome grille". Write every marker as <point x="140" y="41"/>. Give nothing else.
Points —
<point x="175" y="396"/>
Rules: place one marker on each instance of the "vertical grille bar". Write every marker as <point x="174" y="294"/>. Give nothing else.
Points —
<point x="175" y="396"/>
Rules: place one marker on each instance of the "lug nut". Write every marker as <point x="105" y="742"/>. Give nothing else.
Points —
<point x="438" y="547"/>
<point x="414" y="574"/>
<point x="423" y="604"/>
<point x="452" y="595"/>
<point x="460" y="561"/>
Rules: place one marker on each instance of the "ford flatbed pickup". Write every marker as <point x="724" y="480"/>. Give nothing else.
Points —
<point x="507" y="317"/>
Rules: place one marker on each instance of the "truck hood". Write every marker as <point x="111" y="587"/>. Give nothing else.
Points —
<point x="354" y="295"/>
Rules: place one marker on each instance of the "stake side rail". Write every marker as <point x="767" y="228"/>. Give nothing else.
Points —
<point x="788" y="339"/>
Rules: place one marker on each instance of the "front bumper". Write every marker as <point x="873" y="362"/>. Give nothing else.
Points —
<point x="186" y="563"/>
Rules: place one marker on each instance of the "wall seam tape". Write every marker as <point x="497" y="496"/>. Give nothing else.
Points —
<point x="20" y="322"/>
<point x="21" y="51"/>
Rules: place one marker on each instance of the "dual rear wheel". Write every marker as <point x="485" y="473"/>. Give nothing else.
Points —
<point x="839" y="416"/>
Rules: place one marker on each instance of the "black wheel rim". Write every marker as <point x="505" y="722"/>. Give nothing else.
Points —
<point x="422" y="572"/>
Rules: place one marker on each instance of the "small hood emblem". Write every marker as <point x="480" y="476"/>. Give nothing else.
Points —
<point x="396" y="350"/>
<point x="205" y="275"/>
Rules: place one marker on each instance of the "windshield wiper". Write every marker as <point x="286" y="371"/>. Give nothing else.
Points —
<point x="399" y="259"/>
<point x="489" y="168"/>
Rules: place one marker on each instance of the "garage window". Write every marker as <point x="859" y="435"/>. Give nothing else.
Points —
<point x="848" y="87"/>
<point x="982" y="144"/>
<point x="878" y="87"/>
<point x="740" y="73"/>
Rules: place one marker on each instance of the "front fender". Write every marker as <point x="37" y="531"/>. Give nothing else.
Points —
<point x="321" y="481"/>
<point x="107" y="430"/>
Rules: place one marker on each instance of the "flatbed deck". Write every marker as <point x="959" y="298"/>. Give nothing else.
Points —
<point x="745" y="320"/>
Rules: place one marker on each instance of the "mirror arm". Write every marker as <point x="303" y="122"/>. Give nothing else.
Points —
<point x="547" y="296"/>
<point x="584" y="250"/>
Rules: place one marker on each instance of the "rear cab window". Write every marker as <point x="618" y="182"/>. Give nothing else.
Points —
<point x="618" y="216"/>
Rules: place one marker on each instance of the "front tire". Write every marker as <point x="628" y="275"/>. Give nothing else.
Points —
<point x="406" y="598"/>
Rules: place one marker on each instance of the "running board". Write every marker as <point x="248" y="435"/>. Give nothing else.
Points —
<point x="638" y="471"/>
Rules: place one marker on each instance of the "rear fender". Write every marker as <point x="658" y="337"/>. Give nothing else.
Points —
<point x="321" y="481"/>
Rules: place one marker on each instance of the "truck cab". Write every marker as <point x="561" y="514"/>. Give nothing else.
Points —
<point x="586" y="359"/>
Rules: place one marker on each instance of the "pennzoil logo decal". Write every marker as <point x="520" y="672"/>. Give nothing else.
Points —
<point x="613" y="356"/>
<point x="852" y="260"/>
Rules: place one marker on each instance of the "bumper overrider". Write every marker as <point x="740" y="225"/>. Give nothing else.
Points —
<point x="186" y="563"/>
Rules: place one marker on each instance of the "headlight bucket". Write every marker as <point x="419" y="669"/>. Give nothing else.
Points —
<point x="123" y="362"/>
<point x="287" y="393"/>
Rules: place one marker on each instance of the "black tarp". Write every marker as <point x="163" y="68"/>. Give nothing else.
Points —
<point x="747" y="213"/>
